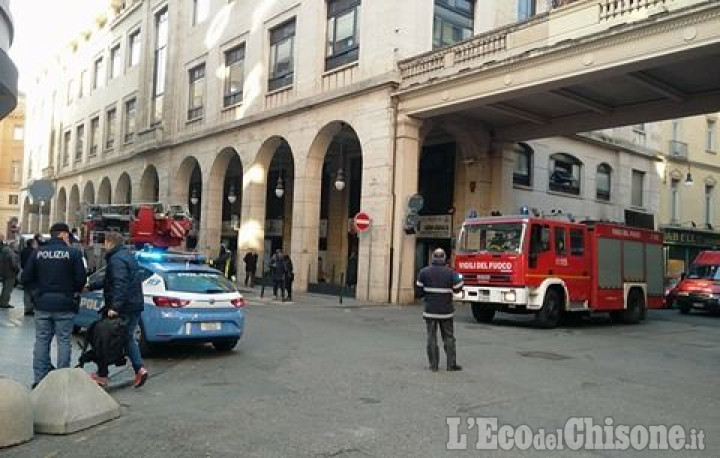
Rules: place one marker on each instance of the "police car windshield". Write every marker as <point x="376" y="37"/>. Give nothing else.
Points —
<point x="198" y="282"/>
<point x="491" y="237"/>
<point x="704" y="272"/>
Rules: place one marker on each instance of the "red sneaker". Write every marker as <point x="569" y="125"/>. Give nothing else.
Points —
<point x="140" y="377"/>
<point x="101" y="381"/>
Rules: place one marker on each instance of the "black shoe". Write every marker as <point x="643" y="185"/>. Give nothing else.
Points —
<point x="33" y="386"/>
<point x="7" y="306"/>
<point x="454" y="368"/>
<point x="29" y="313"/>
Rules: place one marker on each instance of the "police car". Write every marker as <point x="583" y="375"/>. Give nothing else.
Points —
<point x="185" y="300"/>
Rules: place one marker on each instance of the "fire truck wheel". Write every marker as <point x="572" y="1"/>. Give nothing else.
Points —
<point x="146" y="348"/>
<point x="684" y="309"/>
<point x="483" y="313"/>
<point x="549" y="316"/>
<point x="635" y="308"/>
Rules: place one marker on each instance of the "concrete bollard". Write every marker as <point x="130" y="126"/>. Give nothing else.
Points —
<point x="68" y="400"/>
<point x="16" y="413"/>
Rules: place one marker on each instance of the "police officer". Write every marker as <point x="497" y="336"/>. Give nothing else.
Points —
<point x="437" y="283"/>
<point x="58" y="272"/>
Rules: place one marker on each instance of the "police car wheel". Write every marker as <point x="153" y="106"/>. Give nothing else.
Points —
<point x="225" y="345"/>
<point x="146" y="348"/>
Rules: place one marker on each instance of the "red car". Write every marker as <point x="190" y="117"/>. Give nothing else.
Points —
<point x="700" y="288"/>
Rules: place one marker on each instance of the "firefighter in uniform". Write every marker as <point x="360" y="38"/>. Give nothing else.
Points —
<point x="58" y="273"/>
<point x="437" y="283"/>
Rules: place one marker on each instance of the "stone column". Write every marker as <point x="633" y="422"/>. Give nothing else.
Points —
<point x="306" y="224"/>
<point x="407" y="163"/>
<point x="501" y="187"/>
<point x="252" y="220"/>
<point x="211" y="219"/>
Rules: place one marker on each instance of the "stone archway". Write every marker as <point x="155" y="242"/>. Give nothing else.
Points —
<point x="123" y="190"/>
<point x="224" y="192"/>
<point x="188" y="192"/>
<point x="73" y="212"/>
<point x="150" y="185"/>
<point x="104" y="192"/>
<point x="61" y="206"/>
<point x="88" y="193"/>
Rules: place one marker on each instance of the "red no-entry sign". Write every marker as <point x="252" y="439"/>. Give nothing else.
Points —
<point x="362" y="222"/>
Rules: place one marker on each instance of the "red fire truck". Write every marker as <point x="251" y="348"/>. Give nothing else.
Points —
<point x="553" y="267"/>
<point x="140" y="223"/>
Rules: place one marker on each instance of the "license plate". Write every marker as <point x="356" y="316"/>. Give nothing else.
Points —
<point x="210" y="326"/>
<point x="699" y="305"/>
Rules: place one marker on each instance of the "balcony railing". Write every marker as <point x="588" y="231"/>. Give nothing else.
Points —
<point x="678" y="150"/>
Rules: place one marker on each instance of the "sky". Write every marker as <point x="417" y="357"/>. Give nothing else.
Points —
<point x="43" y="27"/>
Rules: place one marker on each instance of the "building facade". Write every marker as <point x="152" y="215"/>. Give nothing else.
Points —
<point x="12" y="134"/>
<point x="276" y="122"/>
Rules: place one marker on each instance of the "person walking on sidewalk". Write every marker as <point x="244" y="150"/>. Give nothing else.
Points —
<point x="123" y="294"/>
<point x="250" y="260"/>
<point x="289" y="276"/>
<point x="9" y="268"/>
<point x="28" y="289"/>
<point x="277" y="271"/>
<point x="437" y="283"/>
<point x="59" y="274"/>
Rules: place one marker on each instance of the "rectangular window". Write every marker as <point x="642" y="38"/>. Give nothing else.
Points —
<point x="79" y="143"/>
<point x="709" y="205"/>
<point x="94" y="136"/>
<point x="130" y="116"/>
<point x="201" y="11"/>
<point x="115" y="62"/>
<point x="566" y="174"/>
<point x="674" y="201"/>
<point x="523" y="165"/>
<point x="282" y="44"/>
<point x="161" y="42"/>
<point x="13" y="199"/>
<point x="638" y="181"/>
<point x="197" y="92"/>
<point x="560" y="248"/>
<point x="15" y="171"/>
<point x="110" y="126"/>
<point x="82" y="83"/>
<point x="66" y="148"/>
<point x="526" y="9"/>
<point x="343" y="33"/>
<point x="711" y="135"/>
<point x="453" y="21"/>
<point x="18" y="133"/>
<point x="577" y="242"/>
<point x="134" y="47"/>
<point x="98" y="73"/>
<point x="676" y="129"/>
<point x="234" y="75"/>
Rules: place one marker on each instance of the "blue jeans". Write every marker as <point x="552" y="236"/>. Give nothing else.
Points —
<point x="47" y="326"/>
<point x="132" y="348"/>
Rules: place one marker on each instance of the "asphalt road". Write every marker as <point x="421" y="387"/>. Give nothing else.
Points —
<point x="314" y="379"/>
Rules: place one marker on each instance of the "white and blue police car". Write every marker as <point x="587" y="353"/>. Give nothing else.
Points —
<point x="185" y="301"/>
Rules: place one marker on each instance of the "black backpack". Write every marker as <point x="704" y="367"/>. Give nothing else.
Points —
<point x="107" y="338"/>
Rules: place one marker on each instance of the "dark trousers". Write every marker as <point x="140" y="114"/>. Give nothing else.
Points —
<point x="250" y="277"/>
<point x="288" y="288"/>
<point x="8" y="285"/>
<point x="279" y="284"/>
<point x="131" y="347"/>
<point x="447" y="332"/>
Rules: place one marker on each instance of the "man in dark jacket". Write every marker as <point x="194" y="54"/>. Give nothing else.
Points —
<point x="277" y="271"/>
<point x="58" y="273"/>
<point x="437" y="283"/>
<point x="9" y="268"/>
<point x="250" y="261"/>
<point x="289" y="276"/>
<point x="28" y="290"/>
<point x="124" y="299"/>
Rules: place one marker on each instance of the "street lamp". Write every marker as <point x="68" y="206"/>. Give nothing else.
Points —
<point x="279" y="188"/>
<point x="232" y="196"/>
<point x="340" y="180"/>
<point x="194" y="197"/>
<point x="689" y="179"/>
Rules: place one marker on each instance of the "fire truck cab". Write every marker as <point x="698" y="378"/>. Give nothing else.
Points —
<point x="551" y="267"/>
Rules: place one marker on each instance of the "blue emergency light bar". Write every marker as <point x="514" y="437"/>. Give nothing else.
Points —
<point x="169" y="256"/>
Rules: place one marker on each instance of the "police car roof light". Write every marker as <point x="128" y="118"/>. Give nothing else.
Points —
<point x="165" y="256"/>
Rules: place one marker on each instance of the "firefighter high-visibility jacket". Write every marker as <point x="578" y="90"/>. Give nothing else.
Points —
<point x="437" y="283"/>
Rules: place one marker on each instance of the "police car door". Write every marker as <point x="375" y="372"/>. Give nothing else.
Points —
<point x="91" y="302"/>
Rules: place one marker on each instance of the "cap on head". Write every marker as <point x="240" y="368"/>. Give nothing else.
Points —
<point x="60" y="227"/>
<point x="439" y="255"/>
